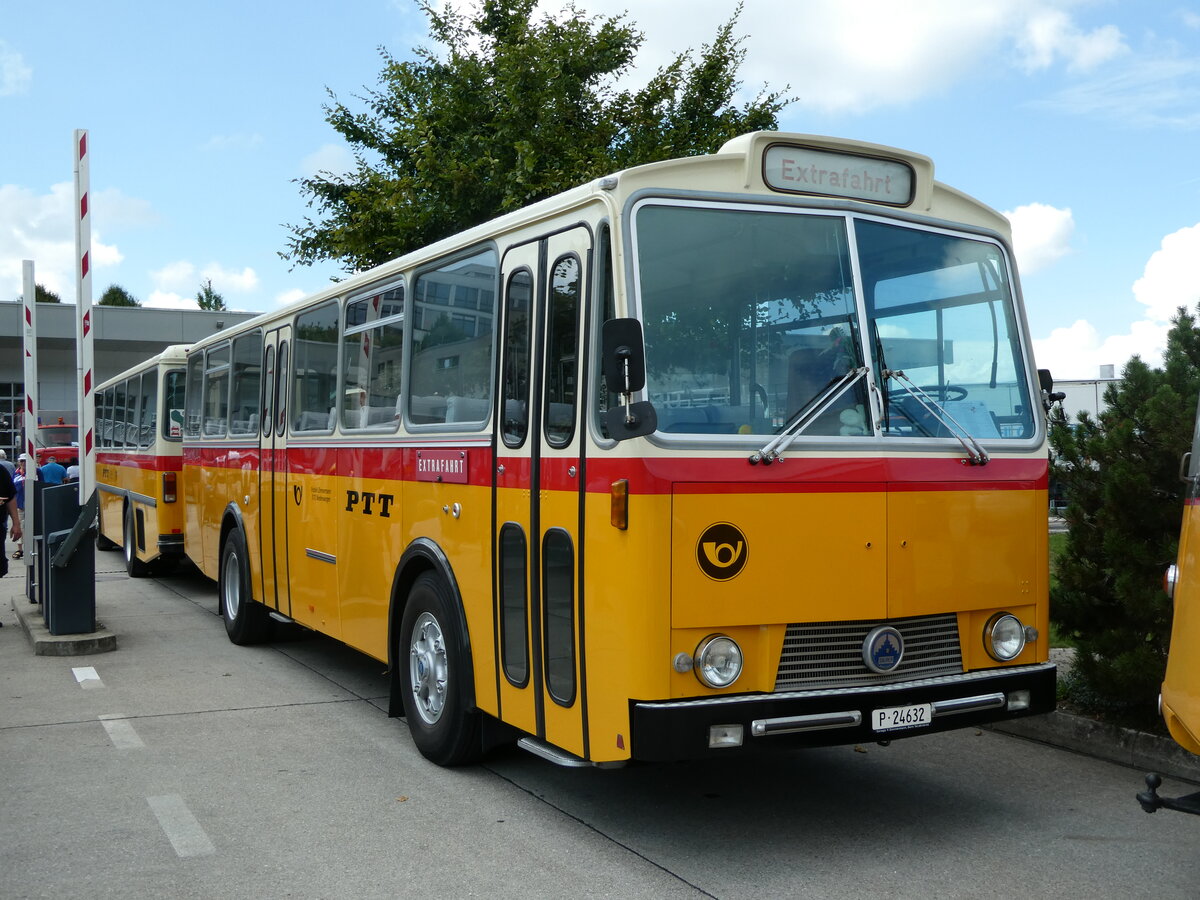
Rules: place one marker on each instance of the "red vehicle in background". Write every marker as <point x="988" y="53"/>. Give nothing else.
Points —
<point x="60" y="440"/>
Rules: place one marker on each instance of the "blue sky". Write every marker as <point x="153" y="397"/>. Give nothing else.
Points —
<point x="1079" y="119"/>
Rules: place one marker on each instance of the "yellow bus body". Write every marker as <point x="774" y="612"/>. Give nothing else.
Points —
<point x="600" y="659"/>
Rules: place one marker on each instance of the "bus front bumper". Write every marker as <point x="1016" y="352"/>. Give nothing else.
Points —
<point x="687" y="729"/>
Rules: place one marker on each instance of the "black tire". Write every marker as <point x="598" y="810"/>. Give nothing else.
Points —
<point x="134" y="566"/>
<point x="246" y="620"/>
<point x="435" y="676"/>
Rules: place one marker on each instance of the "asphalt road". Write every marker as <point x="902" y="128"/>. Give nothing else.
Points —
<point x="183" y="766"/>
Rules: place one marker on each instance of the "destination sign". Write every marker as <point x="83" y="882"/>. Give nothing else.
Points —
<point x="803" y="170"/>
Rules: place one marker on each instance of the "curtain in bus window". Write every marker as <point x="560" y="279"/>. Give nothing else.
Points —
<point x="314" y="369"/>
<point x="941" y="310"/>
<point x="372" y="358"/>
<point x="450" y="375"/>
<point x="749" y="315"/>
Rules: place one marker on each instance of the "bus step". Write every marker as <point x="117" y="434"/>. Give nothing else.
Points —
<point x="554" y="754"/>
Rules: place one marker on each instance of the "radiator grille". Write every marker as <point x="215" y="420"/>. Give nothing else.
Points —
<point x="829" y="654"/>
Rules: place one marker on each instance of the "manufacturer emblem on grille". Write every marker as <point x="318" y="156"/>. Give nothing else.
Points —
<point x="883" y="649"/>
<point x="721" y="551"/>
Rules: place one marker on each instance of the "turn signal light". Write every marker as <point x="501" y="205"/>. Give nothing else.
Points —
<point x="619" y="511"/>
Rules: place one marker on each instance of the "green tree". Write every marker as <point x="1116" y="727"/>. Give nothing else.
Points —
<point x="208" y="298"/>
<point x="511" y="110"/>
<point x="43" y="294"/>
<point x="1120" y="472"/>
<point x="115" y="295"/>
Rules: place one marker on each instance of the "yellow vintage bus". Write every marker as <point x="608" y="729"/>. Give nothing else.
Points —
<point x="139" y="446"/>
<point x="742" y="450"/>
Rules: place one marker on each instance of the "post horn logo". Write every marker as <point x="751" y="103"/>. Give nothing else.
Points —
<point x="297" y="491"/>
<point x="722" y="551"/>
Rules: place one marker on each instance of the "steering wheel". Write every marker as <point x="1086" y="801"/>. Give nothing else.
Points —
<point x="942" y="392"/>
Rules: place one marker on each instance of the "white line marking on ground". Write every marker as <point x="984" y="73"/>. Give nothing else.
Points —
<point x="87" y="677"/>
<point x="121" y="732"/>
<point x="181" y="827"/>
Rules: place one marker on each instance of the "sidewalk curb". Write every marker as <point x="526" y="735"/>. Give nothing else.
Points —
<point x="44" y="643"/>
<point x="1135" y="749"/>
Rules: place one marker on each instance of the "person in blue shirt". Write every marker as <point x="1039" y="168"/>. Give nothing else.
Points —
<point x="51" y="472"/>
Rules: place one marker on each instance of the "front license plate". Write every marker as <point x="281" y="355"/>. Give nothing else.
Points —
<point x="896" y="717"/>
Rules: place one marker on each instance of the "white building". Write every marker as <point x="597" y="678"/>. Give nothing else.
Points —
<point x="124" y="336"/>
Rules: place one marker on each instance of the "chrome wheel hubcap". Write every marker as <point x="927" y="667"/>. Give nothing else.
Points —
<point x="428" y="668"/>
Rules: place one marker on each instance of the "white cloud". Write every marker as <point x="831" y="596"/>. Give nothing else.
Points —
<point x="1049" y="35"/>
<point x="1041" y="235"/>
<point x="169" y="300"/>
<point x="15" y="76"/>
<point x="1169" y="279"/>
<point x="41" y="227"/>
<point x="178" y="275"/>
<point x="333" y="158"/>
<point x="1078" y="351"/>
<point x="291" y="296"/>
<point x="881" y="54"/>
<point x="227" y="280"/>
<point x="1147" y="92"/>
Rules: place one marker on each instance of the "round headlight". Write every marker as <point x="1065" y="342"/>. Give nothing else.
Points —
<point x="1004" y="637"/>
<point x="718" y="661"/>
<point x="1170" y="579"/>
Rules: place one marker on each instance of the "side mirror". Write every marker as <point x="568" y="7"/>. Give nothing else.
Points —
<point x="623" y="362"/>
<point x="1049" y="395"/>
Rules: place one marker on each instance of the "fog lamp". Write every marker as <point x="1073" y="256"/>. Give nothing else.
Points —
<point x="1018" y="700"/>
<point x="724" y="736"/>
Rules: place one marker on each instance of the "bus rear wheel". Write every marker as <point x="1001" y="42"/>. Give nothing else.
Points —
<point x="435" y="672"/>
<point x="246" y="621"/>
<point x="134" y="566"/>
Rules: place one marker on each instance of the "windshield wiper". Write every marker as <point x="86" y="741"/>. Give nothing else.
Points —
<point x="805" y="416"/>
<point x="976" y="455"/>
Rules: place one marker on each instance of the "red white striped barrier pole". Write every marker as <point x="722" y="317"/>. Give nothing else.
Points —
<point x="85" y="355"/>
<point x="29" y="338"/>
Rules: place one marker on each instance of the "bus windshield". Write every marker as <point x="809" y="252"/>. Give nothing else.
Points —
<point x="751" y="313"/>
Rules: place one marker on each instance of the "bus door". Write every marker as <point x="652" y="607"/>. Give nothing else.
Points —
<point x="273" y="471"/>
<point x="539" y="481"/>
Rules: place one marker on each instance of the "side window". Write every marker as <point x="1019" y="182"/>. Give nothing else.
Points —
<point x="450" y="361"/>
<point x="514" y="632"/>
<point x="195" y="381"/>
<point x="281" y="379"/>
<point x="104" y="418"/>
<point x="267" y="402"/>
<point x="216" y="391"/>
<point x="129" y="415"/>
<point x="173" y="400"/>
<point x="562" y="351"/>
<point x="247" y="373"/>
<point x="372" y="360"/>
<point x="607" y="309"/>
<point x="147" y="413"/>
<point x="314" y="369"/>
<point x="515" y="389"/>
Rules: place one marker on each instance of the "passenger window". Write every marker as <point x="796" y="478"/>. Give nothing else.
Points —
<point x="372" y="361"/>
<point x="450" y="360"/>
<point x="314" y="369"/>
<point x="247" y="373"/>
<point x="216" y="391"/>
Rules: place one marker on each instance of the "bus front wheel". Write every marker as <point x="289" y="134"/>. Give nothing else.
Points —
<point x="435" y="671"/>
<point x="246" y="622"/>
